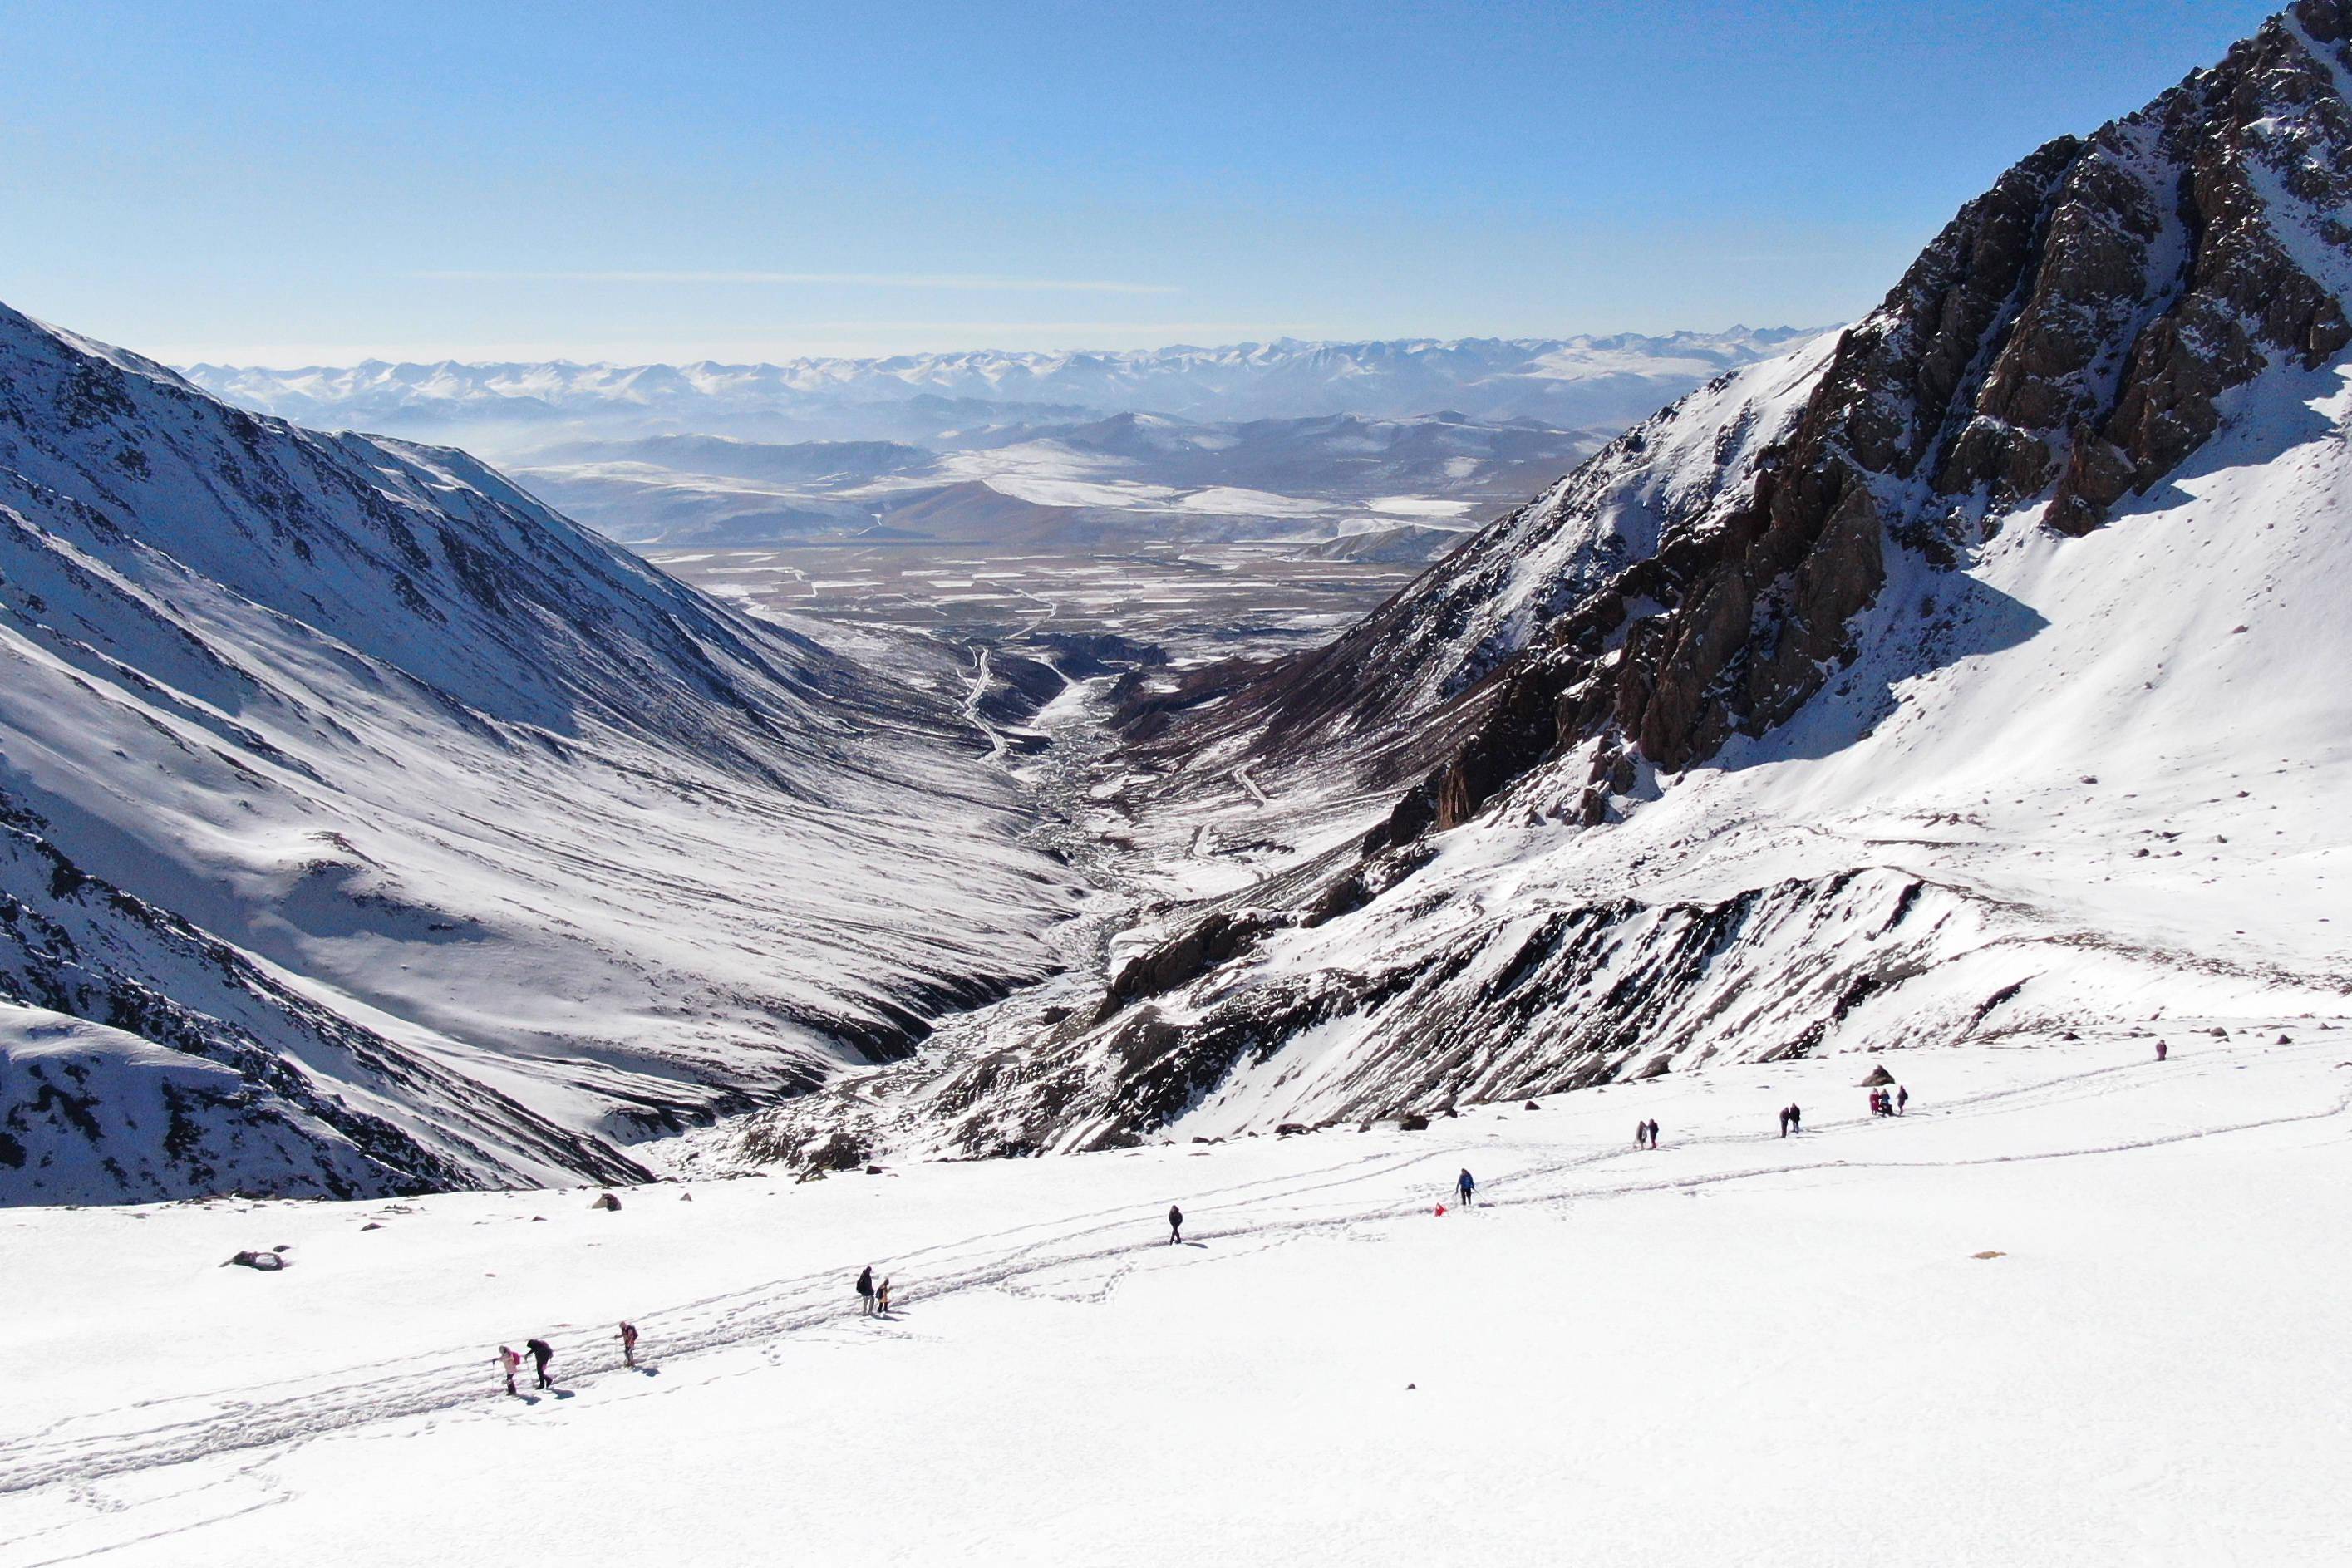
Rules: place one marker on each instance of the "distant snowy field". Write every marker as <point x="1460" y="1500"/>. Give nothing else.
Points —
<point x="1735" y="1350"/>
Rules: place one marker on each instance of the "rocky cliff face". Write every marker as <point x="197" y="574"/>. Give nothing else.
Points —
<point x="2067" y="341"/>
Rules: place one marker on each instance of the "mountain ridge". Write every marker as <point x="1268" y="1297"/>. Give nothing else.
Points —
<point x="1866" y="699"/>
<point x="474" y="847"/>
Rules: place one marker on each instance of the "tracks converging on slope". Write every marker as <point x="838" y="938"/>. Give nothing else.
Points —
<point x="1388" y="1183"/>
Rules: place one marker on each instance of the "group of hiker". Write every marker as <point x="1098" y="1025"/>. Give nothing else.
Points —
<point x="873" y="1300"/>
<point x="541" y="1353"/>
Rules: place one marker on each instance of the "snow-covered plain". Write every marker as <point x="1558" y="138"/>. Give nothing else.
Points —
<point x="2067" y="1311"/>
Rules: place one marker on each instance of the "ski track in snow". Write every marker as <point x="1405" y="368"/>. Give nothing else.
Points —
<point x="154" y="1435"/>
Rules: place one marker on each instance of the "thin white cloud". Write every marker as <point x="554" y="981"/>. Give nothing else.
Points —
<point x="845" y="280"/>
<point x="822" y="340"/>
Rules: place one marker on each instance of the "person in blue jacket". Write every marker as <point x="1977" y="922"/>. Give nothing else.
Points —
<point x="1464" y="1187"/>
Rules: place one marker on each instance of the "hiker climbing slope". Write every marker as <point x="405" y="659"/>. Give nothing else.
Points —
<point x="866" y="1291"/>
<point x="541" y="1353"/>
<point x="1465" y="1186"/>
<point x="1175" y="1225"/>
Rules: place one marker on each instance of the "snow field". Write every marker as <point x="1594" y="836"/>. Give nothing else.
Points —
<point x="1737" y="1349"/>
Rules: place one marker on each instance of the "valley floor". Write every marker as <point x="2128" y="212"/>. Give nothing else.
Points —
<point x="1735" y="1350"/>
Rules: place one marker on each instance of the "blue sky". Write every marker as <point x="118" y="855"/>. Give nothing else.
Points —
<point x="327" y="182"/>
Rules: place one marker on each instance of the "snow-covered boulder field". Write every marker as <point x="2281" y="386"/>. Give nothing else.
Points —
<point x="2075" y="1306"/>
<point x="473" y="849"/>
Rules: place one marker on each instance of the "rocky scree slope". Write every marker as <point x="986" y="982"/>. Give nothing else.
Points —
<point x="470" y="847"/>
<point x="1779" y="727"/>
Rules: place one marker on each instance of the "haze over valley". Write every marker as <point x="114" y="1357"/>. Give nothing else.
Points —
<point x="1253" y="496"/>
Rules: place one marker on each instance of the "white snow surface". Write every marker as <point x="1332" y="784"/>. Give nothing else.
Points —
<point x="2068" y="1309"/>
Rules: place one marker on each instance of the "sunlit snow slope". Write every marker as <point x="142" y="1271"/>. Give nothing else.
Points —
<point x="469" y="846"/>
<point x="2067" y="1311"/>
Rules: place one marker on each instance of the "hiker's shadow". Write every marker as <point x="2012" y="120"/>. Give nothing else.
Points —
<point x="648" y="1372"/>
<point x="562" y="1394"/>
<point x="1201" y="1245"/>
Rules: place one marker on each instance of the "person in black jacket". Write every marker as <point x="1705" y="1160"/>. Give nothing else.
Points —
<point x="1175" y="1225"/>
<point x="541" y="1353"/>
<point x="866" y="1291"/>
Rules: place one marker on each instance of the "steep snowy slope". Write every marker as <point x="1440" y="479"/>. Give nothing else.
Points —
<point x="1974" y="674"/>
<point x="473" y="846"/>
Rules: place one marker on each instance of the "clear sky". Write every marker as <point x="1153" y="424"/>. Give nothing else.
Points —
<point x="322" y="182"/>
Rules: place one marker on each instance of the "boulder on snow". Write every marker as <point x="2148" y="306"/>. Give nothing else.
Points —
<point x="1290" y="1129"/>
<point x="267" y="1262"/>
<point x="607" y="1200"/>
<point x="1412" y="1122"/>
<point x="1879" y="1079"/>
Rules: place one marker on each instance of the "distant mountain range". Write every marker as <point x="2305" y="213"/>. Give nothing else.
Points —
<point x="1564" y="382"/>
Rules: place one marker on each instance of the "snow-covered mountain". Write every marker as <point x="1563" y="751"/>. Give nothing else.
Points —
<point x="1563" y="381"/>
<point x="384" y="830"/>
<point x="1973" y="675"/>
